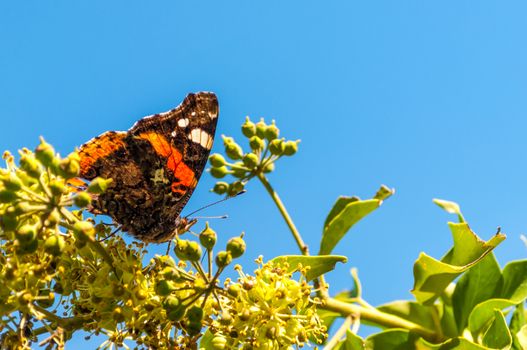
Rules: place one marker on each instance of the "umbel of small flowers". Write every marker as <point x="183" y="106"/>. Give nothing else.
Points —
<point x="58" y="276"/>
<point x="265" y="149"/>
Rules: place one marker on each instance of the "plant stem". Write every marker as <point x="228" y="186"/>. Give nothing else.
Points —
<point x="341" y="332"/>
<point x="301" y="245"/>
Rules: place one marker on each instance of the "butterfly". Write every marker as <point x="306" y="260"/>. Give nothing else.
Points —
<point x="155" y="166"/>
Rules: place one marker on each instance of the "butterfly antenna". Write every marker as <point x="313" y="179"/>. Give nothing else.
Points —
<point x="214" y="203"/>
<point x="211" y="217"/>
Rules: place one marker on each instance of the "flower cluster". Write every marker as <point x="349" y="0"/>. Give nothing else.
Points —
<point x="266" y="148"/>
<point x="62" y="272"/>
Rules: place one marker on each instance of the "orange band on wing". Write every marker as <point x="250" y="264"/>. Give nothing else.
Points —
<point x="100" y="147"/>
<point x="174" y="158"/>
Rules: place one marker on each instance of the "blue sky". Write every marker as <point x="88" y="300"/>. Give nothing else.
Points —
<point x="426" y="97"/>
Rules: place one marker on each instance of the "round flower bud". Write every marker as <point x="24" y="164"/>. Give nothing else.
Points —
<point x="141" y="294"/>
<point x="248" y="128"/>
<point x="233" y="150"/>
<point x="208" y="237"/>
<point x="290" y="147"/>
<point x="240" y="172"/>
<point x="268" y="168"/>
<point x="235" y="188"/>
<point x="220" y="172"/>
<point x="276" y="147"/>
<point x="171" y="303"/>
<point x="26" y="234"/>
<point x="271" y="132"/>
<point x="83" y="231"/>
<point x="7" y="196"/>
<point x="193" y="251"/>
<point x="236" y="246"/>
<point x="193" y="328"/>
<point x="45" y="153"/>
<point x="220" y="187"/>
<point x="260" y="128"/>
<point x="250" y="160"/>
<point x="223" y="259"/>
<point x="225" y="318"/>
<point x="30" y="165"/>
<point x="217" y="160"/>
<point x="234" y="290"/>
<point x="165" y="287"/>
<point x="195" y="314"/>
<point x="54" y="245"/>
<point x="219" y="342"/>
<point x="28" y="247"/>
<point x="181" y="249"/>
<point x="69" y="167"/>
<point x="98" y="185"/>
<point x="9" y="221"/>
<point x="227" y="140"/>
<point x="256" y="143"/>
<point x="117" y="314"/>
<point x="12" y="182"/>
<point x="82" y="199"/>
<point x="52" y="219"/>
<point x="177" y="313"/>
<point x="57" y="188"/>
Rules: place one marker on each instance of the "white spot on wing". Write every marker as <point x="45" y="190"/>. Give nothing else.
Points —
<point x="173" y="133"/>
<point x="183" y="123"/>
<point x="201" y="137"/>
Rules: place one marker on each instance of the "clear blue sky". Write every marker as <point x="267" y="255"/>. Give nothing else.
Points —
<point x="428" y="97"/>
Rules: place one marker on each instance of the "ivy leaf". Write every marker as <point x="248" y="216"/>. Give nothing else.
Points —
<point x="498" y="335"/>
<point x="484" y="313"/>
<point x="346" y="212"/>
<point x="450" y="207"/>
<point x="206" y="341"/>
<point x="515" y="281"/>
<point x="414" y="312"/>
<point x="432" y="276"/>
<point x="515" y="325"/>
<point x="451" y="344"/>
<point x="319" y="264"/>
<point x="481" y="283"/>
<point x="391" y="339"/>
<point x="522" y="337"/>
<point x="352" y="342"/>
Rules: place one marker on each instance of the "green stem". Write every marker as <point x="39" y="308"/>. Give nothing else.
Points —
<point x="378" y="317"/>
<point x="301" y="245"/>
<point x="341" y="332"/>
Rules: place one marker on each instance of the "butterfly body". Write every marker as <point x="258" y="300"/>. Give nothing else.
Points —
<point x="154" y="167"/>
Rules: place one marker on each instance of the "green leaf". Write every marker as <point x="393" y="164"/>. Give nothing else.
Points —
<point x="352" y="342"/>
<point x="319" y="264"/>
<point x="345" y="213"/>
<point x="483" y="314"/>
<point x="481" y="283"/>
<point x="515" y="281"/>
<point x="451" y="344"/>
<point x="498" y="335"/>
<point x="448" y="321"/>
<point x="515" y="325"/>
<point x="450" y="207"/>
<point x="206" y="340"/>
<point x="431" y="276"/>
<point x="522" y="337"/>
<point x="425" y="316"/>
<point x="393" y="339"/>
<point x="383" y="193"/>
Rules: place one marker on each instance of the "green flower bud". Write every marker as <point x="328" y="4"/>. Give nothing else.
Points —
<point x="276" y="147"/>
<point x="82" y="199"/>
<point x="9" y="221"/>
<point x="84" y="231"/>
<point x="12" y="182"/>
<point x="141" y="294"/>
<point x="98" y="185"/>
<point x="193" y="328"/>
<point x="26" y="233"/>
<point x="57" y="187"/>
<point x="220" y="172"/>
<point x="52" y="219"/>
<point x="181" y="249"/>
<point x="7" y="196"/>
<point x="69" y="167"/>
<point x="235" y="188"/>
<point x="219" y="342"/>
<point x="177" y="313"/>
<point x="248" y="128"/>
<point x="30" y="166"/>
<point x="170" y="273"/>
<point x="268" y="168"/>
<point x="234" y="290"/>
<point x="208" y="237"/>
<point x="256" y="143"/>
<point x="28" y="247"/>
<point x="233" y="150"/>
<point x="220" y="187"/>
<point x="217" y="160"/>
<point x="236" y="246"/>
<point x="239" y="171"/>
<point x="45" y="153"/>
<point x="223" y="259"/>
<point x="117" y="314"/>
<point x="193" y="251"/>
<point x="250" y="160"/>
<point x="195" y="314"/>
<point x="54" y="245"/>
<point x="165" y="287"/>
<point x="260" y="128"/>
<point x="227" y="140"/>
<point x="271" y="132"/>
<point x="225" y="318"/>
<point x="290" y="147"/>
